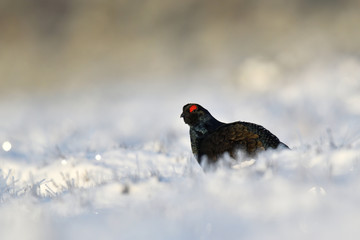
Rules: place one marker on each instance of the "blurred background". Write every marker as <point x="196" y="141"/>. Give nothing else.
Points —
<point x="59" y="45"/>
<point x="78" y="75"/>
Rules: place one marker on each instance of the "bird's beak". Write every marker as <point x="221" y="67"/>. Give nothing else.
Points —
<point x="182" y="115"/>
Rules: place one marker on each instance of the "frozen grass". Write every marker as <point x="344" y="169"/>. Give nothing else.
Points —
<point x="116" y="163"/>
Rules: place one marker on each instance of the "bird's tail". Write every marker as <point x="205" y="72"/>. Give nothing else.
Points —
<point x="283" y="145"/>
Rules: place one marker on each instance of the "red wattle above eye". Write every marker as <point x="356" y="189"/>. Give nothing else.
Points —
<point x="192" y="108"/>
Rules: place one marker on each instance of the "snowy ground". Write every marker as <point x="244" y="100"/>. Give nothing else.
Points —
<point x="114" y="162"/>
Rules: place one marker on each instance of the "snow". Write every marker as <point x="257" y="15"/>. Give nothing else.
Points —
<point x="6" y="146"/>
<point x="114" y="162"/>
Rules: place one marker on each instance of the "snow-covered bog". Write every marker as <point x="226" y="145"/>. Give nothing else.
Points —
<point x="113" y="164"/>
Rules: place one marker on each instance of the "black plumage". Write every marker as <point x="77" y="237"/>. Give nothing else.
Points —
<point x="212" y="138"/>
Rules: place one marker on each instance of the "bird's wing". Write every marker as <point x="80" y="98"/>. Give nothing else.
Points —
<point x="266" y="138"/>
<point x="229" y="138"/>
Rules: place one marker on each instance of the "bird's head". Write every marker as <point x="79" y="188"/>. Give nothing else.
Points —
<point x="194" y="114"/>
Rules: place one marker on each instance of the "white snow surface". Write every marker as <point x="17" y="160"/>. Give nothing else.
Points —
<point x="114" y="162"/>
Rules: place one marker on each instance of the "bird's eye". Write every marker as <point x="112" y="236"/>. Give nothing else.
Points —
<point x="192" y="108"/>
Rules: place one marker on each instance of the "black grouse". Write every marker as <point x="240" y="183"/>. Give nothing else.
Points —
<point x="212" y="138"/>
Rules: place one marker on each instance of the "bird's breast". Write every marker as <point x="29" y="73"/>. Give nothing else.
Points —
<point x="196" y="133"/>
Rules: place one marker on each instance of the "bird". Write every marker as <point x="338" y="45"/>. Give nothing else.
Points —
<point x="211" y="138"/>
